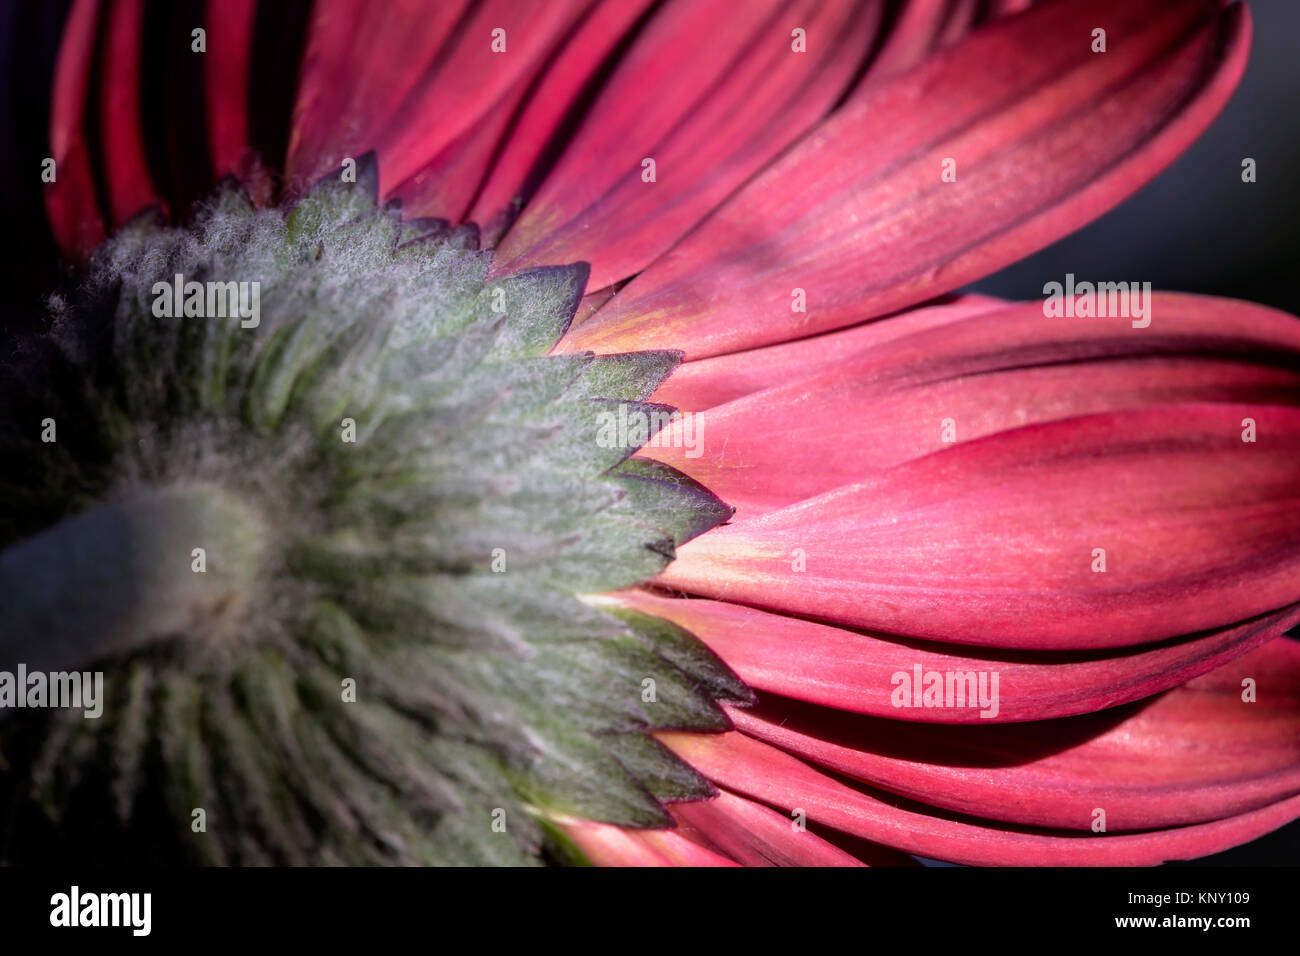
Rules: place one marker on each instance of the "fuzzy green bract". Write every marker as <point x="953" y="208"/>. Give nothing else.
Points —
<point x="436" y="561"/>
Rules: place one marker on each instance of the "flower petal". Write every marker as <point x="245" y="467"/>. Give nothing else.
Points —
<point x="607" y="845"/>
<point x="853" y="671"/>
<point x="466" y="80"/>
<point x="891" y="398"/>
<point x="360" y="62"/>
<point x="762" y="772"/>
<point x="680" y="851"/>
<point x="1100" y="531"/>
<point x="121" y="129"/>
<point x="227" y="71"/>
<point x="710" y="91"/>
<point x="71" y="201"/>
<point x="515" y="173"/>
<point x="912" y="34"/>
<point x="755" y="835"/>
<point x="444" y="187"/>
<point x="1046" y="136"/>
<point x="695" y="386"/>
<point x="1196" y="753"/>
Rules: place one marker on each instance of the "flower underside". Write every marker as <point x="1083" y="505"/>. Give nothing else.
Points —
<point x="332" y="559"/>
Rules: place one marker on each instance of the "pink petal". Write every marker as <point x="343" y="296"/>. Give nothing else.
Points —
<point x="121" y="129"/>
<point x="995" y="541"/>
<point x="607" y="845"/>
<point x="679" y="851"/>
<point x="360" y="62"/>
<point x="226" y="71"/>
<point x="910" y="38"/>
<point x="755" y="835"/>
<point x="961" y="19"/>
<point x="695" y="386"/>
<point x="887" y="397"/>
<point x="1046" y="136"/>
<point x="445" y="186"/>
<point x="1194" y="754"/>
<point x="465" y="81"/>
<point x="764" y="773"/>
<point x="70" y="200"/>
<point x="711" y="91"/>
<point x="853" y="671"/>
<point x="513" y="175"/>
<point x="919" y="27"/>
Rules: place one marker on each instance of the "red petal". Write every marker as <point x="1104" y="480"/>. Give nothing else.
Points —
<point x="607" y="845"/>
<point x="764" y="773"/>
<point x="226" y="68"/>
<point x="679" y="851"/>
<point x="920" y="27"/>
<point x="755" y="835"/>
<point x="511" y="179"/>
<point x="1046" y="135"/>
<point x="994" y="541"/>
<point x="70" y="200"/>
<point x="909" y="39"/>
<point x="853" y="671"/>
<point x="695" y="386"/>
<point x="360" y="62"/>
<point x="961" y="19"/>
<point x="465" y="81"/>
<point x="887" y="404"/>
<point x="444" y="188"/>
<point x="711" y="91"/>
<point x="121" y="129"/>
<point x="1194" y="754"/>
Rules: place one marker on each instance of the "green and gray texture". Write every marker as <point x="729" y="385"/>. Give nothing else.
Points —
<point x="437" y="561"/>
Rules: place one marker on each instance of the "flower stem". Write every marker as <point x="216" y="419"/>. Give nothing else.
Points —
<point x="125" y="574"/>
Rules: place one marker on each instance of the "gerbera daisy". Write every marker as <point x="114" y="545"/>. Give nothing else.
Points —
<point x="515" y="431"/>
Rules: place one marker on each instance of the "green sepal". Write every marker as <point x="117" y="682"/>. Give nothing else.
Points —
<point x="667" y="778"/>
<point x="436" y="496"/>
<point x="687" y="653"/>
<point x="662" y="496"/>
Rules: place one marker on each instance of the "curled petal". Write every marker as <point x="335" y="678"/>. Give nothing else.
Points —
<point x="695" y="386"/>
<point x="858" y="216"/>
<point x="855" y="671"/>
<point x="1224" y="744"/>
<point x="708" y="93"/>
<point x="755" y="835"/>
<point x="762" y="772"/>
<point x="893" y="397"/>
<point x="1100" y="531"/>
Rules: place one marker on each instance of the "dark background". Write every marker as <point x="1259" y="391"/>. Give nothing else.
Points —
<point x="1199" y="228"/>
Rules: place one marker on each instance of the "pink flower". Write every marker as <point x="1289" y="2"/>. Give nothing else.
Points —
<point x="1008" y="587"/>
